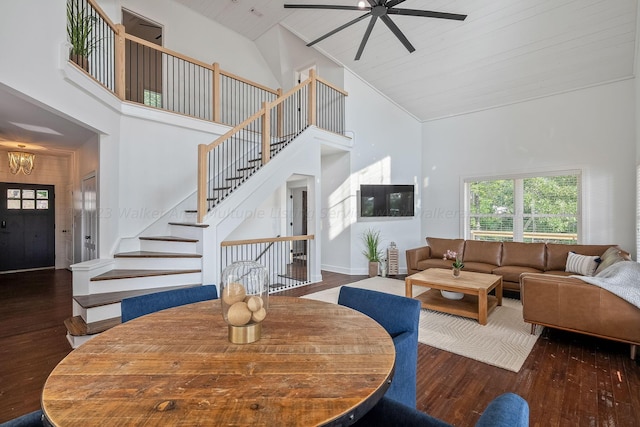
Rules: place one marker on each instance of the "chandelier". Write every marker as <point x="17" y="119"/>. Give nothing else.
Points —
<point x="21" y="162"/>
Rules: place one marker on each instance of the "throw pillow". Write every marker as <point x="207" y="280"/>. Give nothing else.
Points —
<point x="610" y="257"/>
<point x="582" y="264"/>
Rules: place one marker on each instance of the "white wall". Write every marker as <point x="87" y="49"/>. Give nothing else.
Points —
<point x="200" y="38"/>
<point x="592" y="129"/>
<point x="386" y="150"/>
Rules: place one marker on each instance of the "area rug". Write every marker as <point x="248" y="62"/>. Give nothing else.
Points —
<point x="505" y="341"/>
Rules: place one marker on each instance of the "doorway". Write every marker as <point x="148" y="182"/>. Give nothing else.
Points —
<point x="27" y="226"/>
<point x="89" y="218"/>
<point x="143" y="80"/>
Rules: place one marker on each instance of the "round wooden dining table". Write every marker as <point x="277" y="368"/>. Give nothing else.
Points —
<point x="316" y="363"/>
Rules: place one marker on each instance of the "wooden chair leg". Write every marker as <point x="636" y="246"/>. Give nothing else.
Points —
<point x="533" y="329"/>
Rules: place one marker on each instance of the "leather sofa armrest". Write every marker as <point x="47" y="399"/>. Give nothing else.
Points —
<point x="415" y="255"/>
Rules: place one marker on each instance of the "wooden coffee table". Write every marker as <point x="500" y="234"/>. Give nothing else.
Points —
<point x="476" y="304"/>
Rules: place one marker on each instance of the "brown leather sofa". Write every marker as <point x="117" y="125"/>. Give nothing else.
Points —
<point x="507" y="259"/>
<point x="569" y="303"/>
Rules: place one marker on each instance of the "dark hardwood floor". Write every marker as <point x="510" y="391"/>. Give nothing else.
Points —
<point x="568" y="379"/>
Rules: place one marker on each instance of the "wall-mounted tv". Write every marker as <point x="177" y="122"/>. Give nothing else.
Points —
<point x="386" y="200"/>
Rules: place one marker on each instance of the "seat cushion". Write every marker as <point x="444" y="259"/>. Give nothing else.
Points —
<point x="511" y="273"/>
<point x="434" y="263"/>
<point x="479" y="267"/>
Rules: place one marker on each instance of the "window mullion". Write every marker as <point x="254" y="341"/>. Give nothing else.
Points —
<point x="518" y="215"/>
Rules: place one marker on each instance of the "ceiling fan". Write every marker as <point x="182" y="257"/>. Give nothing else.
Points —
<point x="377" y="9"/>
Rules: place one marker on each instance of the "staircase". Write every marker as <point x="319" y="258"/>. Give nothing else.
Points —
<point x="162" y="263"/>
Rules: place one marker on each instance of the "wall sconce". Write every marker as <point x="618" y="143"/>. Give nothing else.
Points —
<point x="20" y="161"/>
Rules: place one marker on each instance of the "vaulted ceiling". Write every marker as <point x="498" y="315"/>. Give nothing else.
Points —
<point x="505" y="51"/>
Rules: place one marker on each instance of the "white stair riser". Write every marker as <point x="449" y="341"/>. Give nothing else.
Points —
<point x="168" y="246"/>
<point x="77" y="341"/>
<point x="118" y="285"/>
<point x="186" y="232"/>
<point x="102" y="312"/>
<point x="158" y="263"/>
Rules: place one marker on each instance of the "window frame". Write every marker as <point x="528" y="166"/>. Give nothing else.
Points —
<point x="519" y="215"/>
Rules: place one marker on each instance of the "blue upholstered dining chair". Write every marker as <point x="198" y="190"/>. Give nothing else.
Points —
<point x="506" y="410"/>
<point x="144" y="304"/>
<point x="399" y="316"/>
<point x="32" y="419"/>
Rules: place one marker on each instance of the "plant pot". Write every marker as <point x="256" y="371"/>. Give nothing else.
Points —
<point x="81" y="60"/>
<point x="373" y="268"/>
<point x="456" y="272"/>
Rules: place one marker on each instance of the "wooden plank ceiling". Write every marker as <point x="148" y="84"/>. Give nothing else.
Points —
<point x="506" y="51"/>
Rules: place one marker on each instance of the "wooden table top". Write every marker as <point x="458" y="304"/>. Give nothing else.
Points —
<point x="441" y="278"/>
<point x="316" y="364"/>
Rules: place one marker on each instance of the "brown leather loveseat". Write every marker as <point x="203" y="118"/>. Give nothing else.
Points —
<point x="507" y="259"/>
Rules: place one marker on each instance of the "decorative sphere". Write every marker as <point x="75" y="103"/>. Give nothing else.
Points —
<point x="233" y="293"/>
<point x="258" y="316"/>
<point x="254" y="303"/>
<point x="239" y="314"/>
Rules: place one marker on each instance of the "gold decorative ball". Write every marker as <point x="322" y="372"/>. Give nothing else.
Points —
<point x="239" y="314"/>
<point x="234" y="292"/>
<point x="258" y="316"/>
<point x="254" y="303"/>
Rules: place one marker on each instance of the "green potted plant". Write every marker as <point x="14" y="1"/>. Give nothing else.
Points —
<point x="80" y="26"/>
<point x="371" y="240"/>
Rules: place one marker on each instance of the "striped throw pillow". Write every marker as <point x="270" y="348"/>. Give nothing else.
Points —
<point x="582" y="264"/>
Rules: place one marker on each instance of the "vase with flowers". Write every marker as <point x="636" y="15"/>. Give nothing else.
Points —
<point x="457" y="262"/>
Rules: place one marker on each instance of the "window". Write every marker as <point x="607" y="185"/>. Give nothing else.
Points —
<point x="153" y="99"/>
<point x="524" y="209"/>
<point x="27" y="199"/>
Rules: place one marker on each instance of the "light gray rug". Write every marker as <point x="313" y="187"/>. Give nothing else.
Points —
<point x="504" y="342"/>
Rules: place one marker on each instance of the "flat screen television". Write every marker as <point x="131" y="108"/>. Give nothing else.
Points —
<point x="386" y="200"/>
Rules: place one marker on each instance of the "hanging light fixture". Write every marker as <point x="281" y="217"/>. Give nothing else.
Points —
<point x="20" y="161"/>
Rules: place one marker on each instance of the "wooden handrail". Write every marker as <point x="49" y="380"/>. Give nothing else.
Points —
<point x="103" y="15"/>
<point x="249" y="82"/>
<point x="332" y="86"/>
<point x="267" y="240"/>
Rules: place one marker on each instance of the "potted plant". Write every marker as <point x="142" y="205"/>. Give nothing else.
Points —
<point x="80" y="26"/>
<point x="371" y="239"/>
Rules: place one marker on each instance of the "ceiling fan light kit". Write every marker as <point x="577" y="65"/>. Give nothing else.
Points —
<point x="377" y="9"/>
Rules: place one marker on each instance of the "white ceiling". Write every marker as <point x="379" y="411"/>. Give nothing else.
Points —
<point x="504" y="52"/>
<point x="26" y="125"/>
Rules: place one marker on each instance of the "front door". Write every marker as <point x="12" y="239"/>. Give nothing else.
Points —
<point x="27" y="226"/>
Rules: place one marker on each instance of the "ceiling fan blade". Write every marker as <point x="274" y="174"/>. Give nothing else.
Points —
<point x="395" y="30"/>
<point x="366" y="37"/>
<point x="342" y="27"/>
<point x="323" y="6"/>
<point x="427" y="14"/>
<point x="392" y="3"/>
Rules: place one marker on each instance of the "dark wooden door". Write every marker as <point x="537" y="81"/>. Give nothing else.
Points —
<point x="27" y="226"/>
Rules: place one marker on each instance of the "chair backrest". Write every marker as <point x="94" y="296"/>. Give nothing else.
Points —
<point x="144" y="304"/>
<point x="396" y="314"/>
<point x="400" y="317"/>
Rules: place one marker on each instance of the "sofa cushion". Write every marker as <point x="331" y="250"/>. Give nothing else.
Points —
<point x="439" y="247"/>
<point x="483" y="252"/>
<point x="511" y="273"/>
<point x="479" y="267"/>
<point x="582" y="264"/>
<point x="434" y="263"/>
<point x="610" y="257"/>
<point x="557" y="253"/>
<point x="523" y="255"/>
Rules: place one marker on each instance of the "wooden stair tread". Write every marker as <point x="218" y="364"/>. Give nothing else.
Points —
<point x="150" y="254"/>
<point x="246" y="168"/>
<point x="221" y="188"/>
<point x="97" y="300"/>
<point x="132" y="274"/>
<point x="76" y="325"/>
<point x="190" y="224"/>
<point x="234" y="178"/>
<point x="190" y="211"/>
<point x="169" y="239"/>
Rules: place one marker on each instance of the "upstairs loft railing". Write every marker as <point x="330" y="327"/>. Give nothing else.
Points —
<point x="231" y="159"/>
<point x="142" y="72"/>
